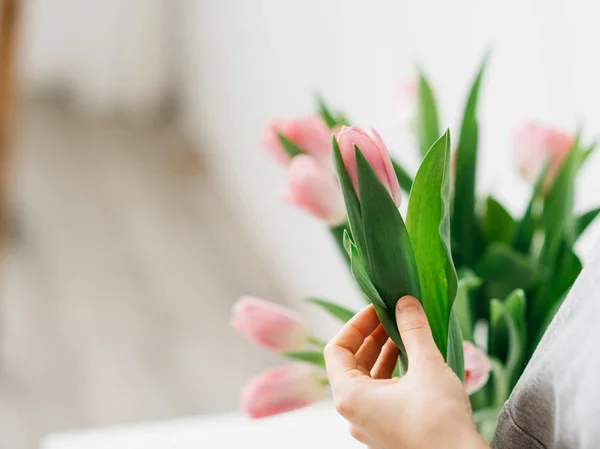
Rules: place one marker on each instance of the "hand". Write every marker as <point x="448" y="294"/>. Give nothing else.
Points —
<point x="427" y="408"/>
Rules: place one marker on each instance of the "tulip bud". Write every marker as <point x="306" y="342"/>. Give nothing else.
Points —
<point x="314" y="188"/>
<point x="282" y="389"/>
<point x="374" y="150"/>
<point x="535" y="145"/>
<point x="477" y="368"/>
<point x="269" y="325"/>
<point x="310" y="134"/>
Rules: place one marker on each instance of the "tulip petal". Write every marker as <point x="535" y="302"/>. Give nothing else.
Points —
<point x="281" y="390"/>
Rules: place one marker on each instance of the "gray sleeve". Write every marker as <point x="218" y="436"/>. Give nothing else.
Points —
<point x="526" y="421"/>
<point x="555" y="403"/>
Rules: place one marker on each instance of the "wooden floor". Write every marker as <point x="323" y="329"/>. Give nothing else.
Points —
<point x="115" y="294"/>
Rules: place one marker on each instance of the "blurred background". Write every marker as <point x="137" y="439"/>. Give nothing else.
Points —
<point x="137" y="203"/>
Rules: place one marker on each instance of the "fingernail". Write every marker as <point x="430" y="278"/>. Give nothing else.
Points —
<point x="407" y="302"/>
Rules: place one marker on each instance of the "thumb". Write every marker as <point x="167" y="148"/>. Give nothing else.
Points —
<point x="415" y="331"/>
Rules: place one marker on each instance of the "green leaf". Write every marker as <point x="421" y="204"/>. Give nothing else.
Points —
<point x="505" y="270"/>
<point x="587" y="152"/>
<point x="466" y="233"/>
<point x="515" y="305"/>
<point x="467" y="281"/>
<point x="455" y="357"/>
<point x="428" y="225"/>
<point x="530" y="221"/>
<point x="567" y="269"/>
<point x="557" y="215"/>
<point x="500" y="382"/>
<point x="404" y="179"/>
<point x="326" y="114"/>
<point x="331" y="119"/>
<point x="558" y="224"/>
<point x="486" y="421"/>
<point x="290" y="147"/>
<point x="500" y="316"/>
<point x="584" y="220"/>
<point x="386" y="315"/>
<point x="389" y="257"/>
<point x="498" y="224"/>
<point x="350" y="199"/>
<point x="312" y="357"/>
<point x="427" y="118"/>
<point x="341" y="313"/>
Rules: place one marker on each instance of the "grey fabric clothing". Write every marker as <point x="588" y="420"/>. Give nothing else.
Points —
<point x="556" y="403"/>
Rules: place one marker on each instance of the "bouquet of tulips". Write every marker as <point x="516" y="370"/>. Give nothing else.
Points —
<point x="489" y="282"/>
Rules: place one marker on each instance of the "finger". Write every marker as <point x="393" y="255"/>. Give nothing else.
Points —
<point x="386" y="363"/>
<point x="415" y="331"/>
<point x="340" y="357"/>
<point x="369" y="352"/>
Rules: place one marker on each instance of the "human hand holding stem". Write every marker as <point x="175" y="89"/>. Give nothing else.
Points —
<point x="426" y="408"/>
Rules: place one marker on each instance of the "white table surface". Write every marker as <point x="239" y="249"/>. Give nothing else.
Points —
<point x="316" y="427"/>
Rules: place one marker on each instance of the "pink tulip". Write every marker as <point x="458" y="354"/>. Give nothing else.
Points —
<point x="310" y="134"/>
<point x="269" y="325"/>
<point x="373" y="148"/>
<point x="477" y="367"/>
<point x="314" y="188"/>
<point x="282" y="389"/>
<point x="534" y="145"/>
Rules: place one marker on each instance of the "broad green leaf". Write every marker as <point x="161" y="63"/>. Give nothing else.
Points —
<point x="504" y="270"/>
<point x="326" y="114"/>
<point x="500" y="382"/>
<point x="567" y="269"/>
<point x="467" y="281"/>
<point x="290" y="147"/>
<point x="389" y="257"/>
<point x="341" y="313"/>
<point x="312" y="357"/>
<point x="386" y="315"/>
<point x="404" y="179"/>
<point x="350" y="199"/>
<point x="557" y="215"/>
<point x="498" y="225"/>
<point x="455" y="357"/>
<point x="466" y="234"/>
<point x="427" y="116"/>
<point x="499" y="317"/>
<point x="558" y="224"/>
<point x="530" y="221"/>
<point x="428" y="225"/>
<point x="584" y="220"/>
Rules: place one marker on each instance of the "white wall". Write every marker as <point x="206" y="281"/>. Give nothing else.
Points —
<point x="246" y="62"/>
<point x="240" y="63"/>
<point x="112" y="56"/>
